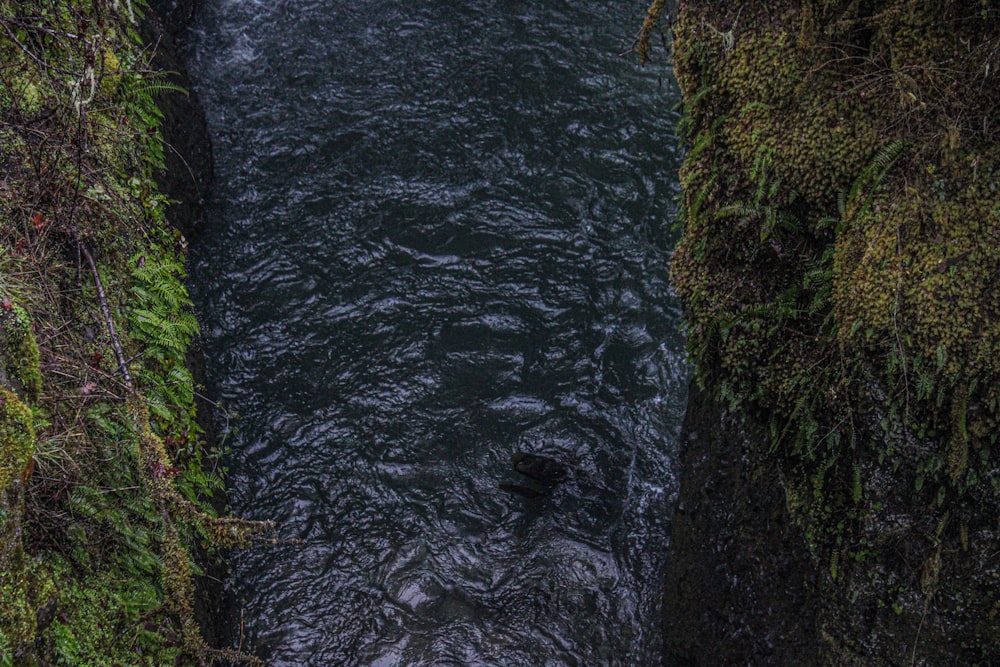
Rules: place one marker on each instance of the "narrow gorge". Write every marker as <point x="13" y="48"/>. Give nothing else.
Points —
<point x="734" y="312"/>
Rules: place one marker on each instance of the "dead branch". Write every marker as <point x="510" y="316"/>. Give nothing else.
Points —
<point x="106" y="311"/>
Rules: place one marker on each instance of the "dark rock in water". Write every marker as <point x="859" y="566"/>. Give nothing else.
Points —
<point x="521" y="490"/>
<point x="545" y="471"/>
<point x="540" y="468"/>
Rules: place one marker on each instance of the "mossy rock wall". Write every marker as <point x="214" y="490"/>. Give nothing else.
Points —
<point x="838" y="269"/>
<point x="19" y="352"/>
<point x="18" y="370"/>
<point x="17" y="443"/>
<point x="103" y="488"/>
<point x="17" y="437"/>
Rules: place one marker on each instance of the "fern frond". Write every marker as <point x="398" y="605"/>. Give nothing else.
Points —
<point x="703" y="141"/>
<point x="872" y="176"/>
<point x="155" y="83"/>
<point x="699" y="199"/>
<point x="741" y="210"/>
<point x="753" y="106"/>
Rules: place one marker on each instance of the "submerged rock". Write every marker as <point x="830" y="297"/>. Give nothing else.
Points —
<point x="540" y="468"/>
<point x="545" y="473"/>
<point x="521" y="490"/>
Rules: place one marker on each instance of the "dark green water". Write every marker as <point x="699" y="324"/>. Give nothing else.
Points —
<point x="440" y="233"/>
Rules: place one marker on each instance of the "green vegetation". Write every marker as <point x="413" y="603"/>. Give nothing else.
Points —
<point x="19" y="352"/>
<point x="103" y="491"/>
<point x="838" y="269"/>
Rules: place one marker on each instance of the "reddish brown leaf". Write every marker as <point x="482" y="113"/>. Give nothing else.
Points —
<point x="28" y="470"/>
<point x="160" y="470"/>
<point x="39" y="222"/>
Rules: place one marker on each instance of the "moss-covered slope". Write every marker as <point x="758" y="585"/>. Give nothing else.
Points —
<point x="102" y="483"/>
<point x="839" y="268"/>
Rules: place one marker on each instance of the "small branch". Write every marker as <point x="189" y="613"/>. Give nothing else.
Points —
<point x="28" y="52"/>
<point x="106" y="311"/>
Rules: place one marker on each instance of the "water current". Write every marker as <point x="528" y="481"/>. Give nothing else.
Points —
<point x="440" y="234"/>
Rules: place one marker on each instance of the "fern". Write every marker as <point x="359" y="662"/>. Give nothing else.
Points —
<point x="700" y="198"/>
<point x="753" y="106"/>
<point x="703" y="141"/>
<point x="741" y="210"/>
<point x="781" y="309"/>
<point x="162" y="320"/>
<point x="826" y="223"/>
<point x="872" y="177"/>
<point x="151" y="84"/>
<point x="942" y="356"/>
<point x="691" y="102"/>
<point x="764" y="207"/>
<point x="165" y="331"/>
<point x="160" y="282"/>
<point x="759" y="170"/>
<point x="925" y="385"/>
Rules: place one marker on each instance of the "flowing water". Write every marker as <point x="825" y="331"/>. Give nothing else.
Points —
<point x="440" y="234"/>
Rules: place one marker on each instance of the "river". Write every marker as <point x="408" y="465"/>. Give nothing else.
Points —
<point x="440" y="234"/>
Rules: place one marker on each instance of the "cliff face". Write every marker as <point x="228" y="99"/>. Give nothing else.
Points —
<point x="838" y="270"/>
<point x="103" y="485"/>
<point x="738" y="590"/>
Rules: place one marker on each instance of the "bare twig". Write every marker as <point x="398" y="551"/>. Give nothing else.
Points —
<point x="46" y="67"/>
<point x="106" y="311"/>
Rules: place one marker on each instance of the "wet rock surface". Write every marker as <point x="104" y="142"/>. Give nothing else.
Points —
<point x="186" y="179"/>
<point x="737" y="591"/>
<point x="743" y="587"/>
<point x="188" y="155"/>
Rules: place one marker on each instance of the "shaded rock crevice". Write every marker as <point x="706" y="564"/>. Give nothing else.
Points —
<point x="188" y="171"/>
<point x="737" y="591"/>
<point x="187" y="179"/>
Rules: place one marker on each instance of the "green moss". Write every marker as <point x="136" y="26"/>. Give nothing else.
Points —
<point x="796" y="254"/>
<point x="19" y="352"/>
<point x="17" y="441"/>
<point x="103" y="322"/>
<point x="838" y="269"/>
<point x="17" y="614"/>
<point x="916" y="262"/>
<point x="913" y="289"/>
<point x="17" y="437"/>
<point x="786" y="99"/>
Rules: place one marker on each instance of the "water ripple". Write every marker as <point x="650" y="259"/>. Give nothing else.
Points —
<point x="439" y="235"/>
